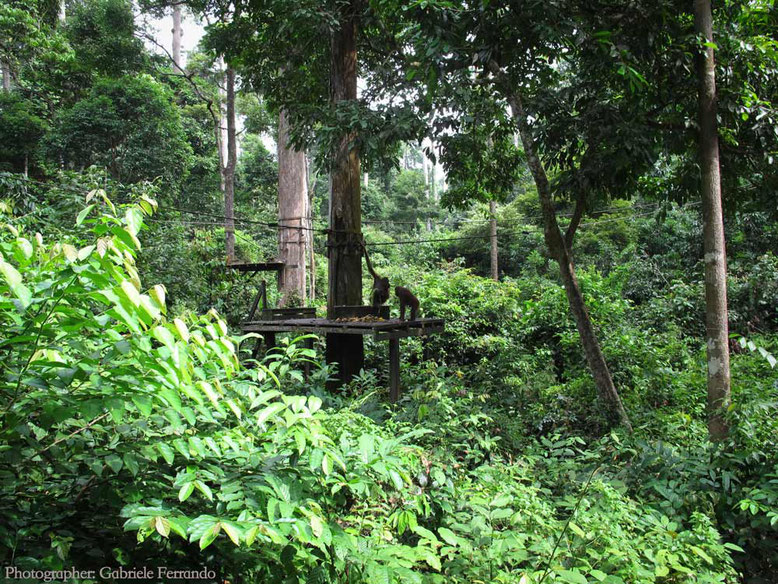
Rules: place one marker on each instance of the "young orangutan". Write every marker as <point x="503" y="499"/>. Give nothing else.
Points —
<point x="407" y="298"/>
<point x="380" y="293"/>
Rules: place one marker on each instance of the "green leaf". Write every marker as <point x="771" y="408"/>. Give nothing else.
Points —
<point x="269" y="411"/>
<point x="448" y="536"/>
<point x="702" y="554"/>
<point x="600" y="576"/>
<point x="134" y="220"/>
<point x="84" y="212"/>
<point x="186" y="491"/>
<point x="316" y="525"/>
<point x="14" y="279"/>
<point x="209" y="536"/>
<point x="162" y="526"/>
<point x="573" y="576"/>
<point x="166" y="452"/>
<point x="232" y="531"/>
<point x="425" y="533"/>
<point x="204" y="489"/>
<point x="430" y="557"/>
<point x="114" y="462"/>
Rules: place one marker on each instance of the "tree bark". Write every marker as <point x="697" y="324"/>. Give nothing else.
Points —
<point x="561" y="253"/>
<point x="495" y="268"/>
<point x="229" y="169"/>
<point x="6" y="77"/>
<point x="716" y="317"/>
<point x="345" y="237"/>
<point x="292" y="216"/>
<point x="177" y="34"/>
<point x="311" y="186"/>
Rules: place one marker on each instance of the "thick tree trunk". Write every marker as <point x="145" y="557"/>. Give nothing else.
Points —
<point x="229" y="169"/>
<point x="292" y="216"/>
<point x="493" y="256"/>
<point x="561" y="253"/>
<point x="177" y="34"/>
<point x="6" y="77"/>
<point x="716" y="319"/>
<point x="345" y="251"/>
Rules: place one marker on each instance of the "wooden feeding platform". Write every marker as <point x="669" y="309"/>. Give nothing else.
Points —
<point x="257" y="267"/>
<point x="359" y="321"/>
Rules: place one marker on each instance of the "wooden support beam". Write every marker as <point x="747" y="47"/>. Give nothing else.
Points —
<point x="270" y="340"/>
<point x="308" y="344"/>
<point x="394" y="370"/>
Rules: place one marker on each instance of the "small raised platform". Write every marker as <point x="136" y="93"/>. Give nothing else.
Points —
<point x="380" y="329"/>
<point x="391" y="330"/>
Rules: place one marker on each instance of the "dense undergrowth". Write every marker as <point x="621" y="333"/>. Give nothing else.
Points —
<point x="132" y="435"/>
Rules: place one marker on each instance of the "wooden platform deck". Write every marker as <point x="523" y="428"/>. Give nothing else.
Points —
<point x="378" y="329"/>
<point x="391" y="330"/>
<point x="257" y="267"/>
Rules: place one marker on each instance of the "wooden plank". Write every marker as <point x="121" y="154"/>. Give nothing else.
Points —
<point x="362" y="311"/>
<point x="257" y="267"/>
<point x="260" y="295"/>
<point x="394" y="329"/>
<point x="394" y="370"/>
<point x="281" y="314"/>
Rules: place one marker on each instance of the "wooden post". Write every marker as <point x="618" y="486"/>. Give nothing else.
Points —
<point x="308" y="344"/>
<point x="394" y="370"/>
<point x="270" y="341"/>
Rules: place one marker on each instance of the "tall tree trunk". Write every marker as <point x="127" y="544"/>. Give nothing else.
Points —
<point x="6" y="77"/>
<point x="495" y="268"/>
<point x="177" y="34"/>
<point x="561" y="253"/>
<point x="345" y="238"/>
<point x="292" y="215"/>
<point x="311" y="186"/>
<point x="229" y="168"/>
<point x="716" y="318"/>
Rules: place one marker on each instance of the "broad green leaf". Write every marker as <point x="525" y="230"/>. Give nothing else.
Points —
<point x="573" y="576"/>
<point x="166" y="452"/>
<point x="84" y="212"/>
<point x="14" y="279"/>
<point x="182" y="329"/>
<point x="448" y="536"/>
<point x="269" y="411"/>
<point x="232" y="531"/>
<point x="209" y="536"/>
<point x="114" y="462"/>
<point x="186" y="491"/>
<point x="162" y="526"/>
<point x="316" y="526"/>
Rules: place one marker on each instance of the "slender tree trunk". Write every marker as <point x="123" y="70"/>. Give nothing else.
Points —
<point x="229" y="169"/>
<point x="6" y="77"/>
<point x="177" y="34"/>
<point x="345" y="251"/>
<point x="433" y="183"/>
<point x="561" y="253"/>
<point x="716" y="318"/>
<point x="311" y="186"/>
<point x="493" y="241"/>
<point x="292" y="215"/>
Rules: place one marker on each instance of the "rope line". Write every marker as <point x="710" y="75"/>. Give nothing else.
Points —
<point x="505" y="232"/>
